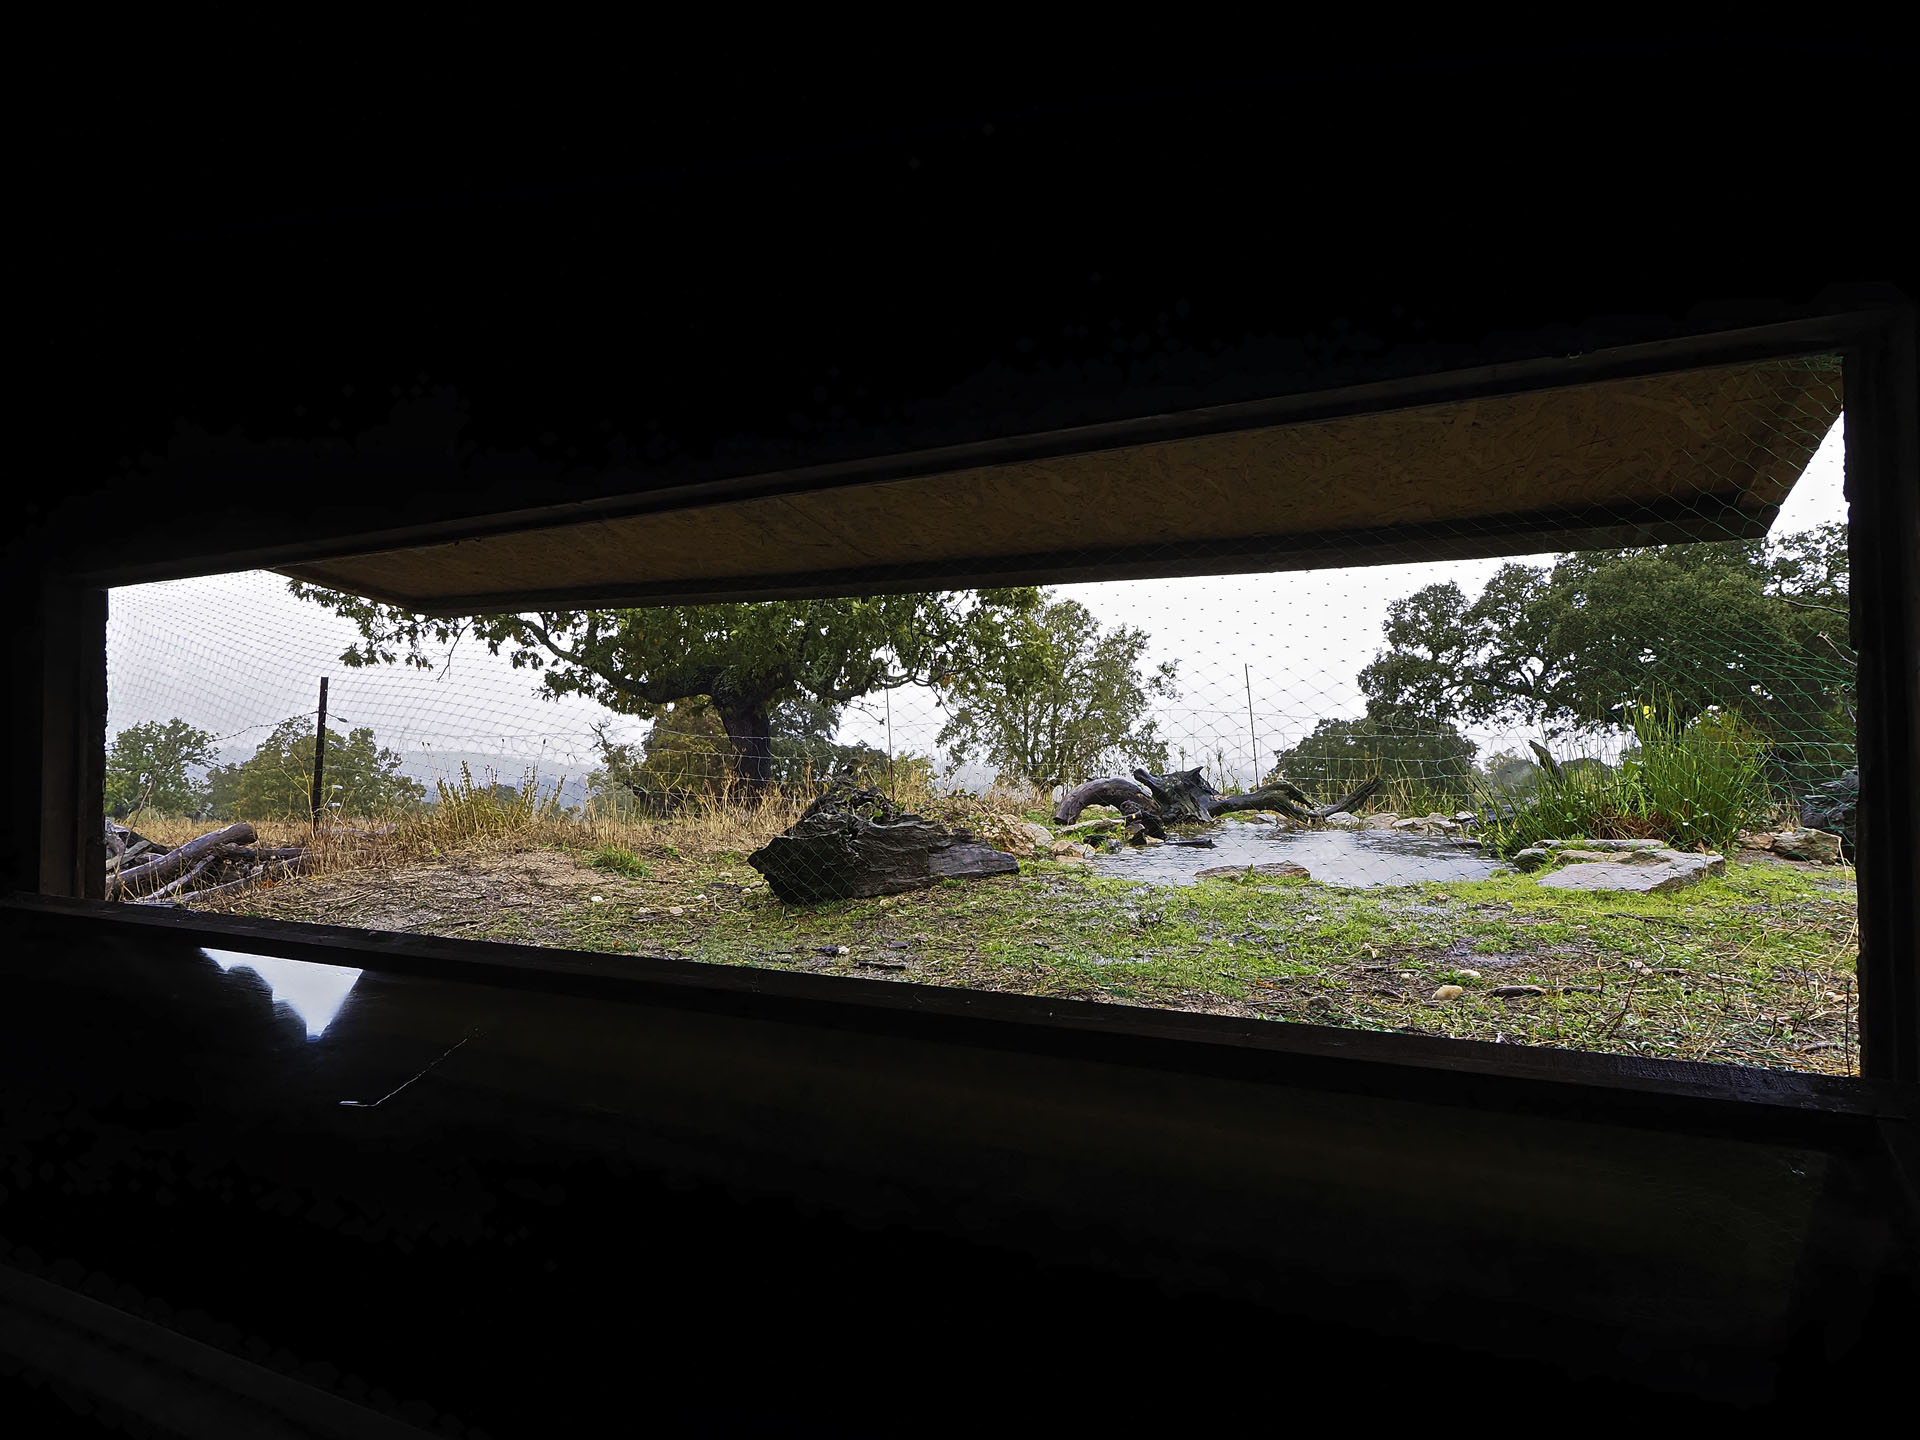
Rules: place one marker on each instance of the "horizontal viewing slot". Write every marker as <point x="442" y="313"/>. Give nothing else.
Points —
<point x="1525" y="721"/>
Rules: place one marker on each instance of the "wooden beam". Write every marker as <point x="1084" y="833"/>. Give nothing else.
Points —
<point x="1883" y="491"/>
<point x="71" y="640"/>
<point x="637" y="495"/>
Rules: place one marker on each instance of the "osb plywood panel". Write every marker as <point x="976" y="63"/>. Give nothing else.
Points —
<point x="1736" y="436"/>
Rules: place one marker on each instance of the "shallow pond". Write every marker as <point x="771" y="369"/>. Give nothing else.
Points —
<point x="1355" y="858"/>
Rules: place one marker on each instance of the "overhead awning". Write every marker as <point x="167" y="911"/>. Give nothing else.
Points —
<point x="1705" y="454"/>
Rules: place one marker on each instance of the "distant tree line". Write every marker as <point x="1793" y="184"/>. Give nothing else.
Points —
<point x="149" y="767"/>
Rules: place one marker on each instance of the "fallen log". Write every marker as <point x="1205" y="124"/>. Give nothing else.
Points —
<point x="142" y="879"/>
<point x="1291" y="802"/>
<point x="1125" y="796"/>
<point x="856" y="843"/>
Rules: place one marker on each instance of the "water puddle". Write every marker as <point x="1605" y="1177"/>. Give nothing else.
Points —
<point x="1353" y="858"/>
<point x="313" y="992"/>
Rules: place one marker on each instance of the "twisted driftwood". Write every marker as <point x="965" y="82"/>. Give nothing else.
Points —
<point x="1184" y="798"/>
<point x="854" y="843"/>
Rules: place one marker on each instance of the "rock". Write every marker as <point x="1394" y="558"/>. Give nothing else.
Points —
<point x="1231" y="872"/>
<point x="1039" y="834"/>
<point x="1817" y="847"/>
<point x="833" y="949"/>
<point x="1532" y="858"/>
<point x="1426" y="825"/>
<point x="1465" y="817"/>
<point x="1834" y="808"/>
<point x="1385" y="820"/>
<point x="1645" y="874"/>
<point x="671" y="909"/>
<point x="1583" y="855"/>
<point x="1070" y="850"/>
<point x="1468" y="974"/>
<point x="1759" y="840"/>
<point x="1344" y="821"/>
<point x="1449" y="992"/>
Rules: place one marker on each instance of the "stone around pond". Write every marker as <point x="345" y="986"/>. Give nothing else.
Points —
<point x="1231" y="872"/>
<point x="1643" y="873"/>
<point x="1815" y="846"/>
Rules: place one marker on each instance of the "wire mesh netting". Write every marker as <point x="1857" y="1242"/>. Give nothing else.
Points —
<point x="1600" y="796"/>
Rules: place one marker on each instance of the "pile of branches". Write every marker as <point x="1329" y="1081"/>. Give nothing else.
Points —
<point x="1185" y="798"/>
<point x="209" y="867"/>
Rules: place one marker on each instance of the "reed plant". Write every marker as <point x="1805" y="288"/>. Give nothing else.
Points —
<point x="1693" y="783"/>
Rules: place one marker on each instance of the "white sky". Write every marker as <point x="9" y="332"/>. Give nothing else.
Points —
<point x="236" y="653"/>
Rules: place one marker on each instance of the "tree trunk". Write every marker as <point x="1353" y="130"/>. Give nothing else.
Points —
<point x="750" y="731"/>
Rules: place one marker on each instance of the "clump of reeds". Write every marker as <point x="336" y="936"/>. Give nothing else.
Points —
<point x="1693" y="783"/>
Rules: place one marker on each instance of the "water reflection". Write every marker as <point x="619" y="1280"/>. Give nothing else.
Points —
<point x="314" y="992"/>
<point x="1358" y="859"/>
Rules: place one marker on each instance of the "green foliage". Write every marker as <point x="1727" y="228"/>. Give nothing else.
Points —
<point x="747" y="660"/>
<point x="687" y="755"/>
<point x="275" y="783"/>
<point x="147" y="767"/>
<point x="1693" y="783"/>
<point x="1426" y="764"/>
<point x="1060" y="701"/>
<point x="1703" y="781"/>
<point x="1742" y="625"/>
<point x="616" y="861"/>
<point x="1507" y="772"/>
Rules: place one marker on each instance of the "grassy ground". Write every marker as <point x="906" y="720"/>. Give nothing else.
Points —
<point x="1755" y="968"/>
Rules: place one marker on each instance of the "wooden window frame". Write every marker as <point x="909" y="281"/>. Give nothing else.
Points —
<point x="1877" y="348"/>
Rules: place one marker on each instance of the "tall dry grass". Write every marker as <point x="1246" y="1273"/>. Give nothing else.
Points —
<point x="480" y="817"/>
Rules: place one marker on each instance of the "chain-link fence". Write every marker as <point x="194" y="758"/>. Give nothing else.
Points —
<point x="1595" y="796"/>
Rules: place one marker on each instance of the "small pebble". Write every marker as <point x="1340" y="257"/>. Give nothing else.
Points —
<point x="1449" y="992"/>
<point x="598" y="899"/>
<point x="1468" y="974"/>
<point x="676" y="910"/>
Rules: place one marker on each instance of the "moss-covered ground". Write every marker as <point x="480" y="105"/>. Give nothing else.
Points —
<point x="1753" y="968"/>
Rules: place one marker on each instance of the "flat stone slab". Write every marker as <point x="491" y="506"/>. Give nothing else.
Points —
<point x="1230" y="872"/>
<point x="1602" y="845"/>
<point x="1646" y="872"/>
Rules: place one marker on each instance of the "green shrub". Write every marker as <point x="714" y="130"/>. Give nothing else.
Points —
<point x="1691" y="783"/>
<point x="1703" y="780"/>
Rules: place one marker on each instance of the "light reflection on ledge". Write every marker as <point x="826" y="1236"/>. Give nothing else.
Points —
<point x="314" y="992"/>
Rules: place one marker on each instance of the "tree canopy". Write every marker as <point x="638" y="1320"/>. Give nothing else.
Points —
<point x="275" y="783"/>
<point x="747" y="660"/>
<point x="1417" y="758"/>
<point x="1061" y="700"/>
<point x="147" y="768"/>
<point x="1742" y="625"/>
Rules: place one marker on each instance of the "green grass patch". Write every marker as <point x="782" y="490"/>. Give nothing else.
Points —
<point x="616" y="861"/>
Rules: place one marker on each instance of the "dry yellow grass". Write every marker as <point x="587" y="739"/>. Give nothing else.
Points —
<point x="474" y="820"/>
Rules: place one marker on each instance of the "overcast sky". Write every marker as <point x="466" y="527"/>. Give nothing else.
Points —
<point x="236" y="653"/>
